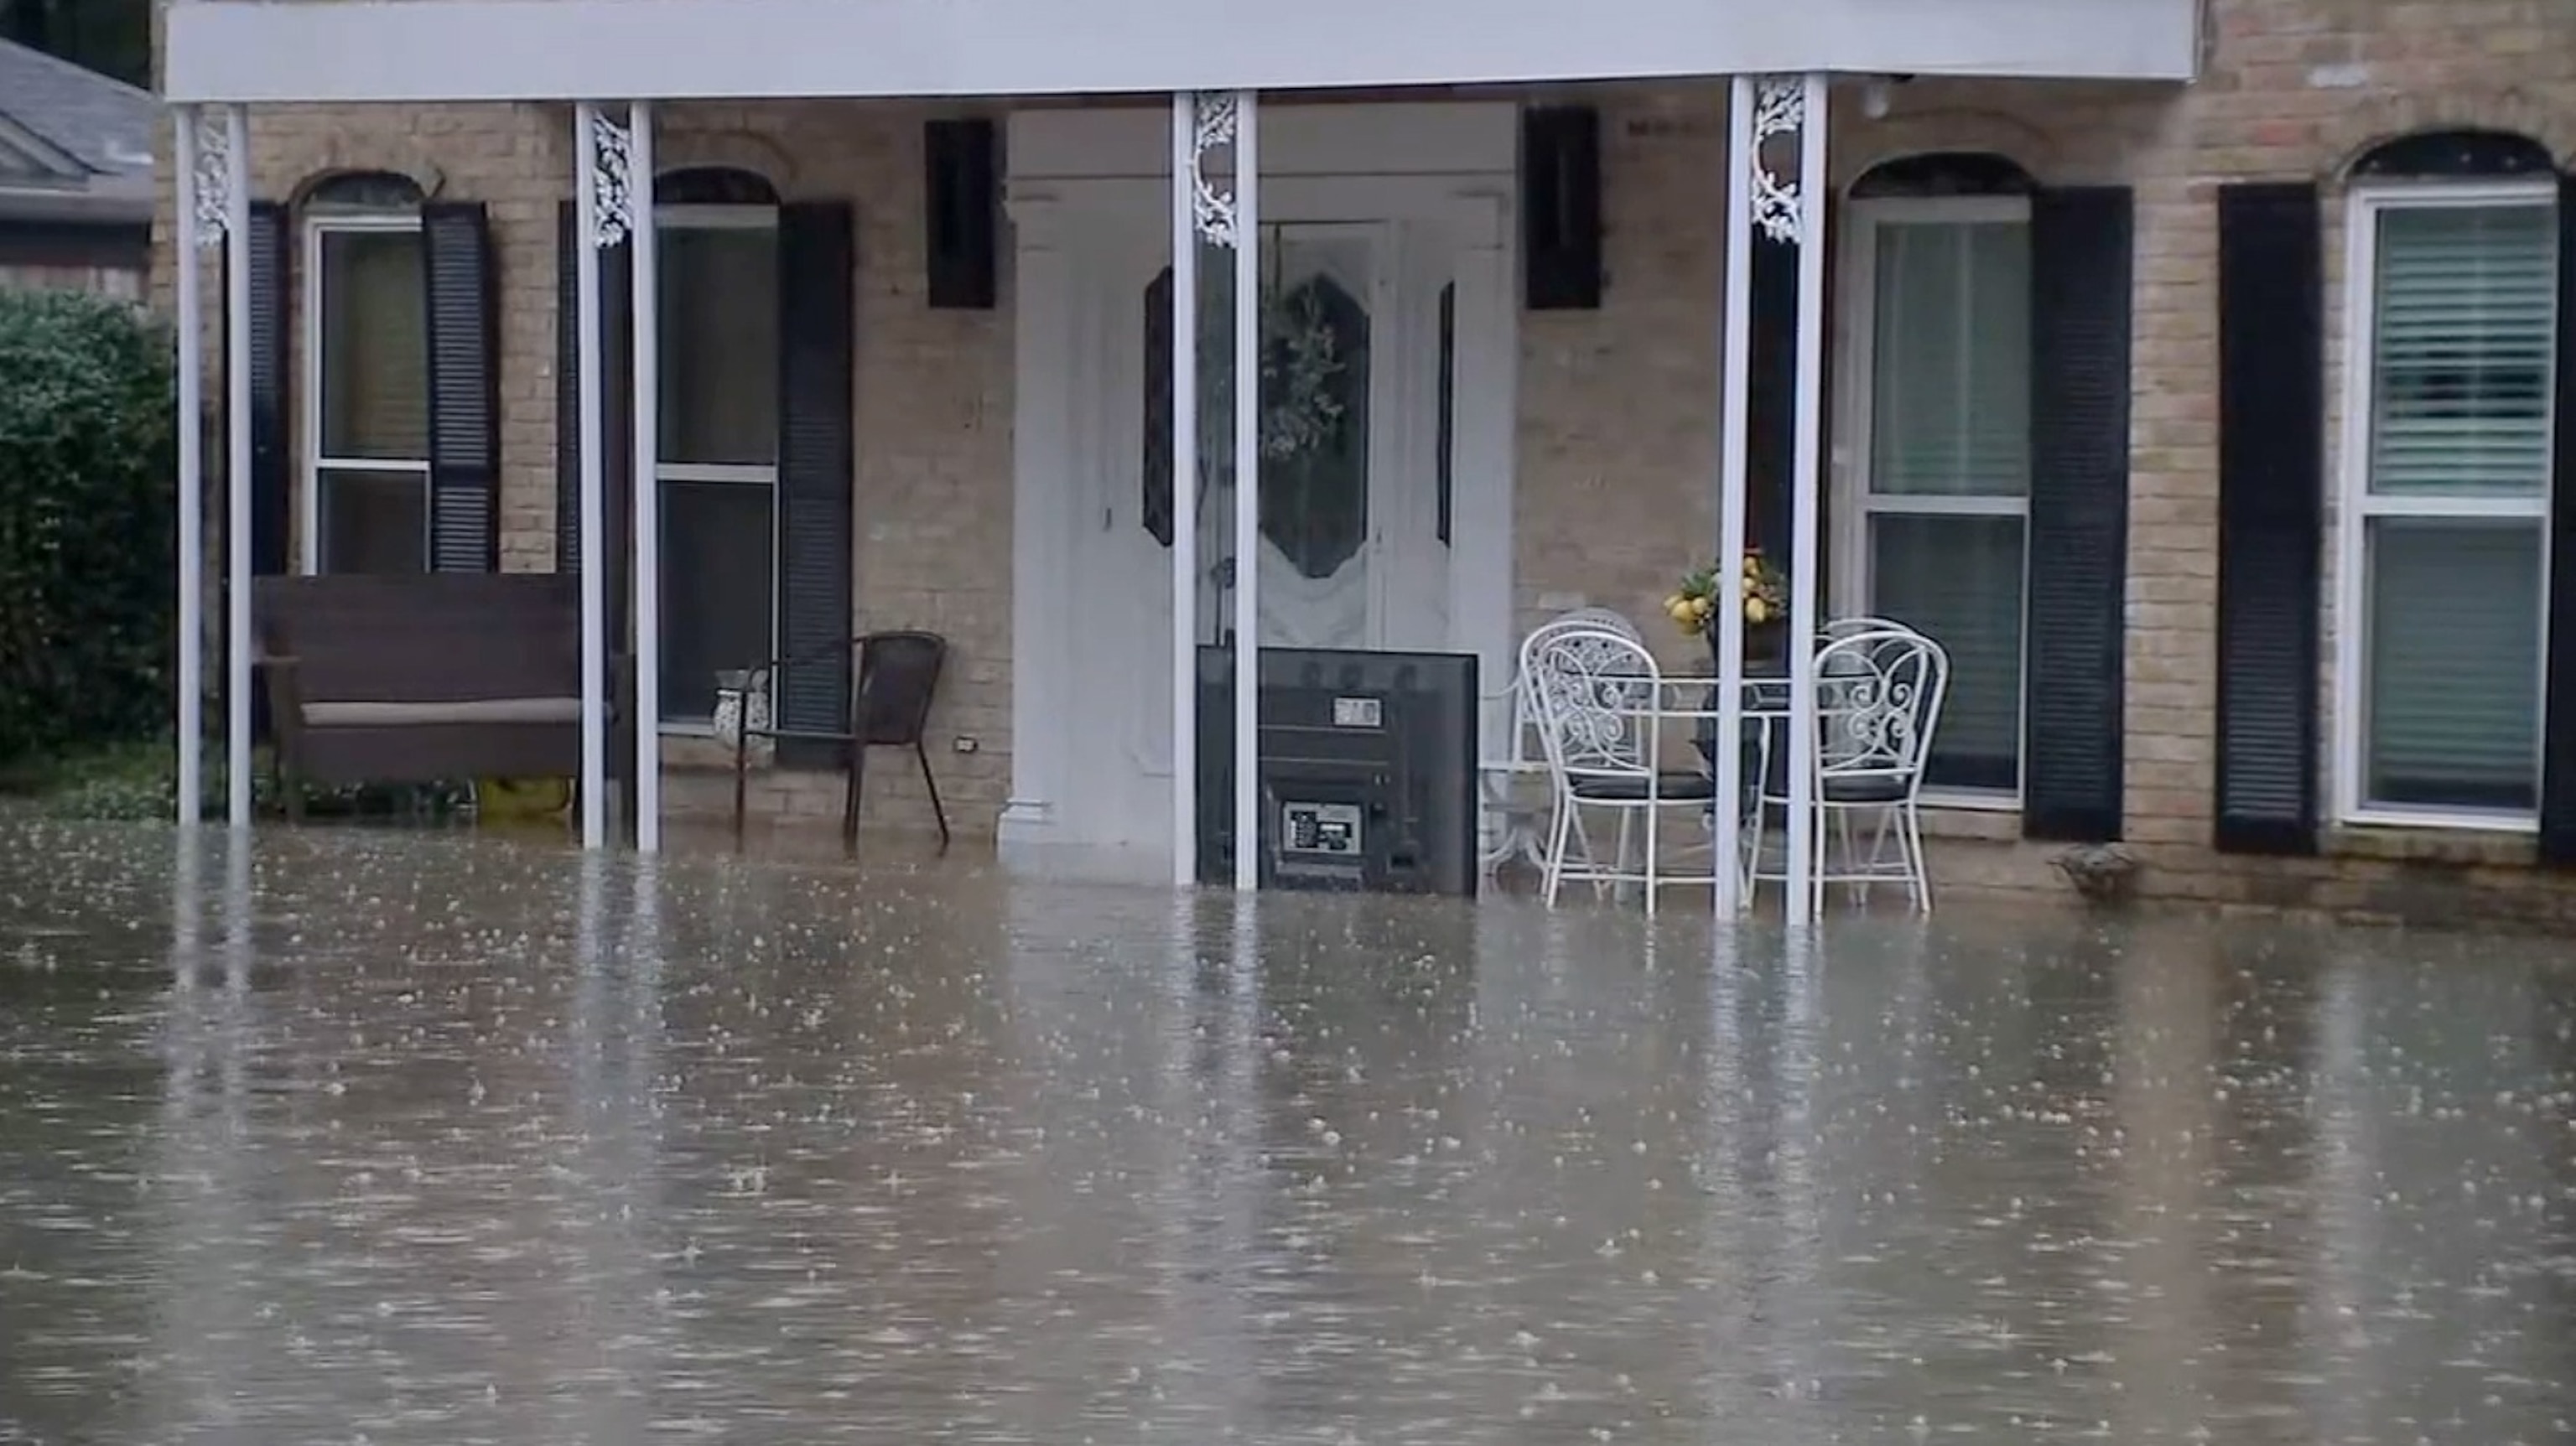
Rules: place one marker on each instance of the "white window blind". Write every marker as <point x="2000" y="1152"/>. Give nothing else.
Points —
<point x="2466" y="316"/>
<point x="1952" y="360"/>
<point x="1949" y="471"/>
<point x="371" y="347"/>
<point x="2453" y="514"/>
<point x="375" y="348"/>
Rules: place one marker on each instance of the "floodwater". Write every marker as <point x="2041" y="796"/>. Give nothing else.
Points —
<point x="393" y="1139"/>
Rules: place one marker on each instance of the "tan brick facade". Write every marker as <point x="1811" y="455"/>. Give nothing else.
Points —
<point x="1616" y="438"/>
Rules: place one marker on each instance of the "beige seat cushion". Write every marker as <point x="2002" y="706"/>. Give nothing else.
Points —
<point x="417" y="715"/>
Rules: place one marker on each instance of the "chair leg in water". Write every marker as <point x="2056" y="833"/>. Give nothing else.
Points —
<point x="856" y="789"/>
<point x="938" y="810"/>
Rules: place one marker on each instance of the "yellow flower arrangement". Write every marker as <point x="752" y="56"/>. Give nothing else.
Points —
<point x="1694" y="608"/>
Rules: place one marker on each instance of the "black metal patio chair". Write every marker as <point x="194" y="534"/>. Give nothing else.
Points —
<point x="894" y="678"/>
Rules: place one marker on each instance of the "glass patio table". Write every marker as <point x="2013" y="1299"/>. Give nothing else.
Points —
<point x="1693" y="698"/>
<point x="1687" y="697"/>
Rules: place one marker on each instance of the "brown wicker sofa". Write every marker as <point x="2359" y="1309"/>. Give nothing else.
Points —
<point x="428" y="678"/>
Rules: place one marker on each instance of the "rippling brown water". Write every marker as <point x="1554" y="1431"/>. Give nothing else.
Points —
<point x="392" y="1139"/>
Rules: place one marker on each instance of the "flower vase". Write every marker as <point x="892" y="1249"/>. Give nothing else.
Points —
<point x="742" y="705"/>
<point x="1766" y="648"/>
<point x="1766" y="655"/>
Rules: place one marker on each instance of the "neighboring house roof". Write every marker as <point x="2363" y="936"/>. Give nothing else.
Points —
<point x="74" y="144"/>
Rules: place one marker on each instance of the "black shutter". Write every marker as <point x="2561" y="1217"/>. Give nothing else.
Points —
<point x="2558" y="717"/>
<point x="1561" y="258"/>
<point x="2081" y="247"/>
<point x="2271" y="515"/>
<point x="567" y="392"/>
<point x="963" y="215"/>
<point x="271" y="480"/>
<point x="817" y="453"/>
<point x="464" y="389"/>
<point x="617" y="316"/>
<point x="271" y="477"/>
<point x="1771" y="396"/>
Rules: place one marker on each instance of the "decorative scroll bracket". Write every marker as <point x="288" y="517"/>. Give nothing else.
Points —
<point x="1214" y="124"/>
<point x="214" y="175"/>
<point x="612" y="182"/>
<point x="1779" y="109"/>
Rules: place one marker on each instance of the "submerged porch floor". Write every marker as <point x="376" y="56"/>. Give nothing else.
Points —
<point x="437" y="1137"/>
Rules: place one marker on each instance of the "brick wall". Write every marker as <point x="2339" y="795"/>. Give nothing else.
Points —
<point x="120" y="282"/>
<point x="1617" y="439"/>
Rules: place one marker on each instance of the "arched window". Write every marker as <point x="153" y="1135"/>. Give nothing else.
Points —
<point x="366" y="344"/>
<point x="1936" y="515"/>
<point x="2451" y="276"/>
<point x="713" y="186"/>
<point x="363" y="191"/>
<point x="2455" y="155"/>
<point x="1944" y="173"/>
<point x="718" y="302"/>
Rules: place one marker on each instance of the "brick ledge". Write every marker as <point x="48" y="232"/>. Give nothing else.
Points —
<point x="2463" y="848"/>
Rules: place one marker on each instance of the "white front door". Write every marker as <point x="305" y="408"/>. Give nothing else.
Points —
<point x="1382" y="302"/>
<point x="1351" y="554"/>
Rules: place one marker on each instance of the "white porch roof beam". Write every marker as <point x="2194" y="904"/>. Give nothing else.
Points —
<point x="610" y="50"/>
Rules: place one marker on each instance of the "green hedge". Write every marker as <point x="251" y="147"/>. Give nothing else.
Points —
<point x="87" y="597"/>
<point x="138" y="780"/>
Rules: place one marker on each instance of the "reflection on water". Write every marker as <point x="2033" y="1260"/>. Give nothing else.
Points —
<point x="412" y="1139"/>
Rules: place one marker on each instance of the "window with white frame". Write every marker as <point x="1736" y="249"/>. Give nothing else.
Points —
<point x="718" y="470"/>
<point x="2442" y="547"/>
<point x="366" y="348"/>
<point x="1933" y="532"/>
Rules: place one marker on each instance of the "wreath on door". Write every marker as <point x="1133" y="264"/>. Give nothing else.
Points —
<point x="1308" y="397"/>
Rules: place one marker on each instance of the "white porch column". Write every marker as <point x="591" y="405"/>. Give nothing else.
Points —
<point x="646" y="796"/>
<point x="1247" y="491"/>
<point x="1805" y="492"/>
<point x="1734" y="408"/>
<point x="1786" y="212"/>
<point x="192" y="227"/>
<point x="1188" y="185"/>
<point x="1200" y="124"/>
<point x="237" y="505"/>
<point x="1792" y="211"/>
<point x="599" y="206"/>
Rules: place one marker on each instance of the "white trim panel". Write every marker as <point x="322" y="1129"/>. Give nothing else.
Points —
<point x="536" y="50"/>
<point x="1337" y="141"/>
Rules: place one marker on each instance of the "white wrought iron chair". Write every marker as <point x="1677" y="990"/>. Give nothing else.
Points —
<point x="1601" y="704"/>
<point x="1837" y="629"/>
<point x="1774" y="692"/>
<point x="1878" y="704"/>
<point x="1610" y="619"/>
<point x="1518" y="830"/>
